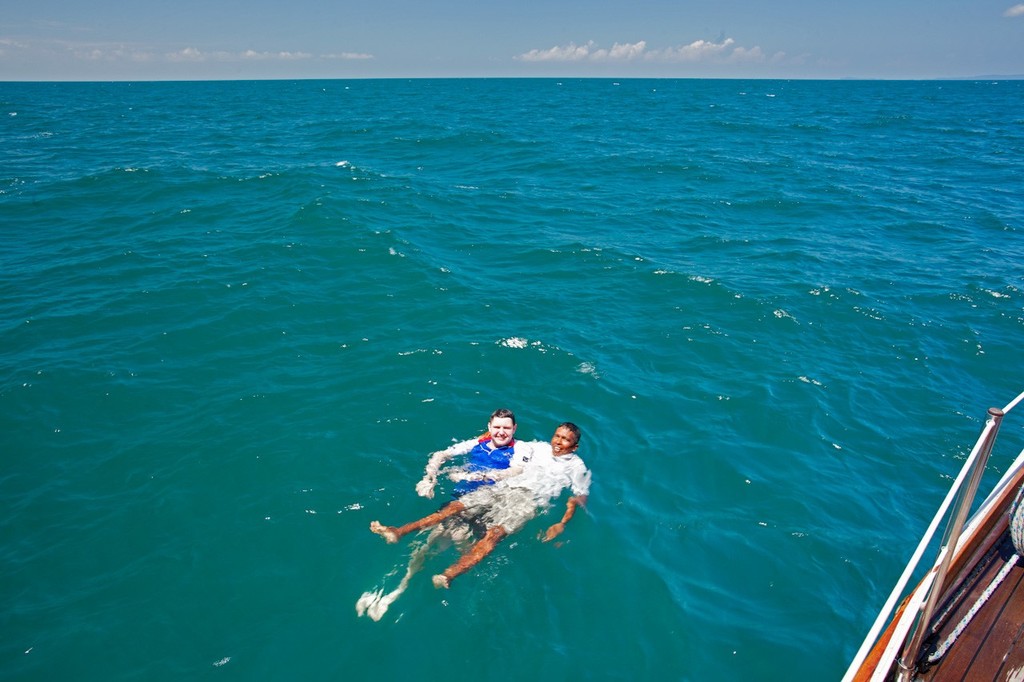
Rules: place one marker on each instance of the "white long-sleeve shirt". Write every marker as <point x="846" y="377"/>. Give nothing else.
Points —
<point x="547" y="475"/>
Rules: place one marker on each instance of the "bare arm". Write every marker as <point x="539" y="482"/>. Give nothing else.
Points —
<point x="493" y="475"/>
<point x="570" y="508"/>
<point x="425" y="488"/>
<point x="521" y="456"/>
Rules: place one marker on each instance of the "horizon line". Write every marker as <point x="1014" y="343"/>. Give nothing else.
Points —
<point x="611" y="78"/>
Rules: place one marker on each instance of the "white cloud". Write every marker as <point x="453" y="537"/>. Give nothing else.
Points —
<point x="1015" y="11"/>
<point x="697" y="51"/>
<point x="621" y="52"/>
<point x="741" y="54"/>
<point x="283" y="56"/>
<point x="108" y="53"/>
<point x="38" y="58"/>
<point x="722" y="52"/>
<point x="348" y="55"/>
<point x="189" y="54"/>
<point x="569" y="53"/>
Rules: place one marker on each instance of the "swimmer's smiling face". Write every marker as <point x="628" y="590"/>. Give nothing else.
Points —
<point x="502" y="430"/>
<point x="563" y="442"/>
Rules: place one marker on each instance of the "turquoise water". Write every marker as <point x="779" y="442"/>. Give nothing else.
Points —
<point x="236" y="317"/>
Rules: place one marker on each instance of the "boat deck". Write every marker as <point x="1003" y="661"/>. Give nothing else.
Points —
<point x="990" y="647"/>
<point x="973" y="594"/>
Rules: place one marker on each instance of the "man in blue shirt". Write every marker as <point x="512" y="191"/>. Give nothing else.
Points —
<point x="491" y="452"/>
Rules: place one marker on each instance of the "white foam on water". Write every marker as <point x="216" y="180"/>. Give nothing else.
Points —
<point x="514" y="342"/>
<point x="780" y="313"/>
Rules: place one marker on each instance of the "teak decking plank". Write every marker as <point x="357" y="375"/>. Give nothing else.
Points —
<point x="980" y="652"/>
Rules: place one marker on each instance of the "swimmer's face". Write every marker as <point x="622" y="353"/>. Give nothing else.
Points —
<point x="502" y="430"/>
<point x="563" y="442"/>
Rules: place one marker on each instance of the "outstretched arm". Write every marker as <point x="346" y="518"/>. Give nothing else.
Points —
<point x="425" y="488"/>
<point x="491" y="475"/>
<point x="570" y="508"/>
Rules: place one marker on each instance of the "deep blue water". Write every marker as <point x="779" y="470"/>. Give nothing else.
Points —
<point x="236" y="317"/>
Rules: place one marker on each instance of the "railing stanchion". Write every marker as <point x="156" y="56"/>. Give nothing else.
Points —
<point x="907" y="663"/>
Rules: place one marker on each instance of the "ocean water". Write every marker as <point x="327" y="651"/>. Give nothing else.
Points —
<point x="236" y="317"/>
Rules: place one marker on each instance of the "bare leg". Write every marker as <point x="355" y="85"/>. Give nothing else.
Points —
<point x="475" y="555"/>
<point x="375" y="604"/>
<point x="391" y="534"/>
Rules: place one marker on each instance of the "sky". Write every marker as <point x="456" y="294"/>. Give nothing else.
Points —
<point x="109" y="40"/>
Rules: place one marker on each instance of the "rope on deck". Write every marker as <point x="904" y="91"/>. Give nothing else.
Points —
<point x="1017" y="536"/>
<point x="969" y="616"/>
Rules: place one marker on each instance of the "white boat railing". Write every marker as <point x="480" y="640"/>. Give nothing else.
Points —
<point x="918" y="611"/>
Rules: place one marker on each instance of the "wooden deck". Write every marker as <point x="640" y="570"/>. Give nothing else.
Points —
<point x="977" y="623"/>
<point x="990" y="648"/>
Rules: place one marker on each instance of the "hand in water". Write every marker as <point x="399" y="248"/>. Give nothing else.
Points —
<point x="553" y="532"/>
<point x="425" y="488"/>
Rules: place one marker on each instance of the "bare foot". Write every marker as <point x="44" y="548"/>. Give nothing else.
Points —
<point x="386" y="532"/>
<point x="441" y="580"/>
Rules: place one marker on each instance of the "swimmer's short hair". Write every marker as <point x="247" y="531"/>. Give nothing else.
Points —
<point x="502" y="413"/>
<point x="573" y="429"/>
